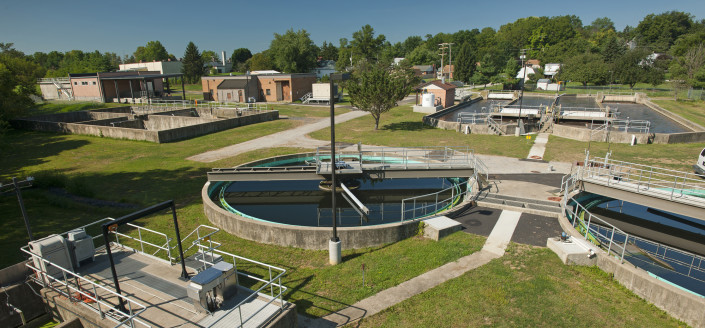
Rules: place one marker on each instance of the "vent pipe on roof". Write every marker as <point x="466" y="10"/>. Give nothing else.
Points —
<point x="223" y="57"/>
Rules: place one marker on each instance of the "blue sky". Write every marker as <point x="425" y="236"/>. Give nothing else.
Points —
<point x="121" y="26"/>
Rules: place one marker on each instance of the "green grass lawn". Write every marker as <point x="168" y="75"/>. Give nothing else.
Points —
<point x="293" y="111"/>
<point x="693" y="111"/>
<point x="143" y="173"/>
<point x="53" y="107"/>
<point x="676" y="156"/>
<point x="528" y="287"/>
<point x="401" y="127"/>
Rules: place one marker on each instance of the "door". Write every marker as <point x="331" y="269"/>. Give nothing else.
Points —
<point x="279" y="91"/>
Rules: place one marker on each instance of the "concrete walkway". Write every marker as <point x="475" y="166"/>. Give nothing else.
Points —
<point x="539" y="146"/>
<point x="494" y="248"/>
<point x="293" y="138"/>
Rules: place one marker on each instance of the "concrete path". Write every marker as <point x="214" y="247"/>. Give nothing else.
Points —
<point x="502" y="233"/>
<point x="494" y="248"/>
<point x="539" y="146"/>
<point x="295" y="138"/>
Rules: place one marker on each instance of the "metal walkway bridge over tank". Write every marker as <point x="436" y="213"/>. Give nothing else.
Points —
<point x="375" y="163"/>
<point x="668" y="190"/>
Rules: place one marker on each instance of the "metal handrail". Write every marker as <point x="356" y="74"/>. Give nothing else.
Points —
<point x="271" y="283"/>
<point x="167" y="246"/>
<point x="608" y="234"/>
<point x="450" y="200"/>
<point x="48" y="280"/>
<point x="642" y="178"/>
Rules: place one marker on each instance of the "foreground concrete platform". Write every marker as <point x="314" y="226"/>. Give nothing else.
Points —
<point x="572" y="251"/>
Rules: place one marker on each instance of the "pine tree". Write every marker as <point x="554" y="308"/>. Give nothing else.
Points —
<point x="465" y="64"/>
<point x="192" y="64"/>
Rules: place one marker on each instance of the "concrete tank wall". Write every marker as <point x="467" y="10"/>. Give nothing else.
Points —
<point x="676" y="302"/>
<point x="584" y="134"/>
<point x="304" y="237"/>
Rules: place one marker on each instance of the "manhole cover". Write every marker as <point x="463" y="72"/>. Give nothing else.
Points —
<point x="536" y="157"/>
<point x="555" y="198"/>
<point x="535" y="172"/>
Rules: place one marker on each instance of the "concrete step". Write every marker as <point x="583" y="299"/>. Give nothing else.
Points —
<point x="547" y="203"/>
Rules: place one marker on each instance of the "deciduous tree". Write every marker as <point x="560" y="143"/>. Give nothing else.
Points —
<point x="293" y="52"/>
<point x="377" y="88"/>
<point x="154" y="50"/>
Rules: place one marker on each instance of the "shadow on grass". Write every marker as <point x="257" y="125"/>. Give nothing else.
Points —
<point x="406" y="126"/>
<point x="15" y="148"/>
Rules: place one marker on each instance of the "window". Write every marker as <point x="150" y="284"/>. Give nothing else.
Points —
<point x="93" y="82"/>
<point x="75" y="83"/>
<point x="268" y="92"/>
<point x="84" y="83"/>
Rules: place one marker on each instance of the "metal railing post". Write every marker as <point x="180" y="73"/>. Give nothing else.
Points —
<point x="624" y="247"/>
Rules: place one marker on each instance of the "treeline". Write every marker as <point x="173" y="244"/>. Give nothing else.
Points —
<point x="591" y="54"/>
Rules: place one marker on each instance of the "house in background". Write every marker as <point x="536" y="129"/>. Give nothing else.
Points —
<point x="447" y="71"/>
<point x="424" y="71"/>
<point x="398" y="60"/>
<point x="533" y="63"/>
<point x="525" y="77"/>
<point x="324" y="68"/>
<point x="550" y="70"/>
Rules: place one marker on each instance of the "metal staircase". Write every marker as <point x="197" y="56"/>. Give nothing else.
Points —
<point x="68" y="92"/>
<point x="495" y="127"/>
<point x="305" y="99"/>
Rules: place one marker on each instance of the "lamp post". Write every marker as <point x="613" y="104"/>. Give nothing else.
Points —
<point x="334" y="247"/>
<point x="16" y="186"/>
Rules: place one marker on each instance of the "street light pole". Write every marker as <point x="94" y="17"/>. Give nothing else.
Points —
<point x="16" y="186"/>
<point x="334" y="245"/>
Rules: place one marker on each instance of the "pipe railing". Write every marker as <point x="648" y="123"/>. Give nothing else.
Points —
<point x="615" y="241"/>
<point x="272" y="282"/>
<point x="665" y="183"/>
<point x="435" y="206"/>
<point x="93" y="296"/>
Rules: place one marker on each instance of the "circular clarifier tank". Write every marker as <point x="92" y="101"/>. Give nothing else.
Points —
<point x="299" y="212"/>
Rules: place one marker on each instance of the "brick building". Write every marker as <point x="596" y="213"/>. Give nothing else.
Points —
<point x="270" y="87"/>
<point x="444" y="92"/>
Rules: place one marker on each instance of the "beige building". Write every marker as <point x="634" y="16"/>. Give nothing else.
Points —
<point x="107" y="86"/>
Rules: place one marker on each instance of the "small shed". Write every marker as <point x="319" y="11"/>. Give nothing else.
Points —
<point x="542" y="84"/>
<point x="444" y="92"/>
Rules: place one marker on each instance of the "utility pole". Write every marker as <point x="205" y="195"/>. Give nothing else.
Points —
<point x="521" y="98"/>
<point x="443" y="47"/>
<point x="16" y="186"/>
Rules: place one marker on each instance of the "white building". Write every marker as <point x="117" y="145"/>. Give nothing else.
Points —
<point x="551" y="69"/>
<point x="163" y="67"/>
<point x="521" y="75"/>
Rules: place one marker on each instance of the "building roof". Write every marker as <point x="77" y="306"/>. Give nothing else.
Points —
<point x="544" y="81"/>
<point x="233" y="84"/>
<point x="424" y="68"/>
<point x="438" y="83"/>
<point x="130" y="75"/>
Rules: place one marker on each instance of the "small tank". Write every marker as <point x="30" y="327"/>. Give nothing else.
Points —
<point x="428" y="100"/>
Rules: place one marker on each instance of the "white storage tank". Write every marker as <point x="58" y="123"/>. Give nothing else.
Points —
<point x="428" y="100"/>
